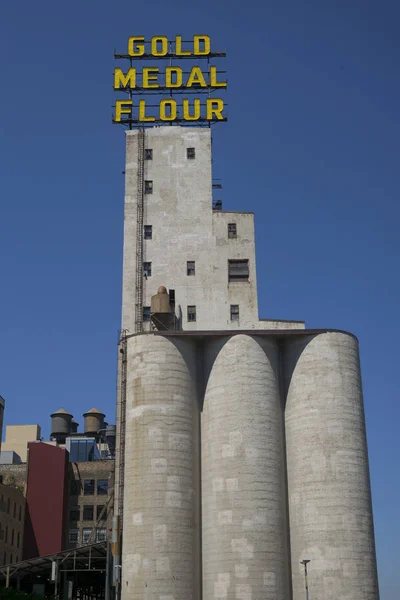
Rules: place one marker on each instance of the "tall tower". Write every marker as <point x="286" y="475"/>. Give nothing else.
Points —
<point x="244" y="439"/>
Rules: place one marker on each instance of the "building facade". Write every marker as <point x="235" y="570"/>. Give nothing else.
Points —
<point x="245" y="446"/>
<point x="12" y="514"/>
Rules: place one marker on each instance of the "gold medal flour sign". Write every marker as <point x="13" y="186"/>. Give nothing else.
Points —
<point x="191" y="87"/>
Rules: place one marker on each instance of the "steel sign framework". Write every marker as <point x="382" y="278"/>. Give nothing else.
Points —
<point x="156" y="93"/>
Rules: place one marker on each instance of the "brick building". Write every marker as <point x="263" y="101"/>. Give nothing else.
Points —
<point x="12" y="515"/>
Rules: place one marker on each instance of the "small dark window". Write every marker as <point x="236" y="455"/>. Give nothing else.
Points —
<point x="74" y="513"/>
<point x="74" y="487"/>
<point x="73" y="536"/>
<point x="234" y="312"/>
<point x="20" y="513"/>
<point x="146" y="313"/>
<point x="18" y="539"/>
<point x="6" y="536"/>
<point x="148" y="154"/>
<point x="147" y="269"/>
<point x="191" y="314"/>
<point x="148" y="187"/>
<point x="232" y="233"/>
<point x="88" y="512"/>
<point x="12" y="538"/>
<point x="191" y="267"/>
<point x="15" y="510"/>
<point x="102" y="487"/>
<point x="8" y="506"/>
<point x="191" y="153"/>
<point x="88" y="487"/>
<point x="100" y="512"/>
<point x="238" y="270"/>
<point x="148" y="232"/>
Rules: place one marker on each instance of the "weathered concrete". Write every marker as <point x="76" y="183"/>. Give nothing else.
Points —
<point x="328" y="479"/>
<point x="161" y="541"/>
<point x="185" y="228"/>
<point x="244" y="533"/>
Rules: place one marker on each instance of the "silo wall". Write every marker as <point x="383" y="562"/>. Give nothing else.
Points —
<point x="161" y="542"/>
<point x="328" y="478"/>
<point x="244" y="534"/>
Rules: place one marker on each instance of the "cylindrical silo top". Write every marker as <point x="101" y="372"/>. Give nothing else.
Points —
<point x="94" y="421"/>
<point x="60" y="422"/>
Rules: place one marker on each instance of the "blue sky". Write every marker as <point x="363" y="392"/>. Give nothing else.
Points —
<point x="312" y="146"/>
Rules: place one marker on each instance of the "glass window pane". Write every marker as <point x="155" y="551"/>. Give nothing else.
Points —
<point x="102" y="487"/>
<point x="101" y="534"/>
<point x="88" y="512"/>
<point x="86" y="534"/>
<point x="88" y="487"/>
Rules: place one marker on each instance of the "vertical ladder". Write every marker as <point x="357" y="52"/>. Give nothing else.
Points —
<point x="139" y="234"/>
<point x="123" y="377"/>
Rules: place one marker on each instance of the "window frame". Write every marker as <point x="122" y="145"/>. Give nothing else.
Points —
<point x="71" y="534"/>
<point x="191" y="153"/>
<point x="190" y="268"/>
<point x="146" y="314"/>
<point x="85" y="531"/>
<point x="241" y="278"/>
<point x="76" y="509"/>
<point x="148" y="186"/>
<point x="191" y="313"/>
<point x="99" y="508"/>
<point x="146" y="230"/>
<point x="232" y="231"/>
<point x="235" y="314"/>
<point x="99" y="487"/>
<point x="88" y="508"/>
<point x="93" y="487"/>
<point x="148" y="154"/>
<point x="147" y="269"/>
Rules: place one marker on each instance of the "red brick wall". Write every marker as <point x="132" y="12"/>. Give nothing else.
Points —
<point x="46" y="500"/>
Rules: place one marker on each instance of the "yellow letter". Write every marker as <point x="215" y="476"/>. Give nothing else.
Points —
<point x="213" y="78"/>
<point x="186" y="113"/>
<point x="205" y="39"/>
<point x="121" y="108"/>
<point x="164" y="46"/>
<point x="150" y="74"/>
<point x="169" y="72"/>
<point x="138" y="49"/>
<point x="178" y="47"/>
<point x="196" y="77"/>
<point x="217" y="111"/>
<point x="171" y="104"/>
<point x="142" y="112"/>
<point x="121" y="80"/>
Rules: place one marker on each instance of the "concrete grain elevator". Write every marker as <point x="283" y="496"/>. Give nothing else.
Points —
<point x="242" y="444"/>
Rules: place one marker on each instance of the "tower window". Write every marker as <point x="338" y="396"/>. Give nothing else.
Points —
<point x="232" y="232"/>
<point x="73" y="536"/>
<point x="147" y="269"/>
<point x="234" y="312"/>
<point x="148" y="232"/>
<point x="148" y="154"/>
<point x="88" y="512"/>
<point x="146" y="313"/>
<point x="74" y="513"/>
<point x="238" y="270"/>
<point x="191" y="267"/>
<point x="88" y="487"/>
<point x="148" y="187"/>
<point x="191" y="314"/>
<point x="191" y="153"/>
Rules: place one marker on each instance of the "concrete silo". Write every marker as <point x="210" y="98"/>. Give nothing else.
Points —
<point x="328" y="479"/>
<point x="161" y="541"/>
<point x="244" y="530"/>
